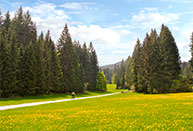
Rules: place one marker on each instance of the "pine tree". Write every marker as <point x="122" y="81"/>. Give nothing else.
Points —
<point x="55" y="69"/>
<point x="66" y="54"/>
<point x="136" y="65"/>
<point x="27" y="71"/>
<point x="24" y="28"/>
<point x="4" y="65"/>
<point x="128" y="72"/>
<point x="122" y="75"/>
<point x="7" y="22"/>
<point x="85" y="63"/>
<point x="13" y="65"/>
<point x="94" y="69"/>
<point x="39" y="67"/>
<point x="169" y="58"/>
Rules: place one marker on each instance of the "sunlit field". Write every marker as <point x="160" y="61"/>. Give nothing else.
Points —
<point x="125" y="111"/>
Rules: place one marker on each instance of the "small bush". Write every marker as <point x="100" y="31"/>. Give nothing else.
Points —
<point x="181" y="85"/>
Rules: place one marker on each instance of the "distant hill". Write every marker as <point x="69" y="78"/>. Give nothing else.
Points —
<point x="111" y="66"/>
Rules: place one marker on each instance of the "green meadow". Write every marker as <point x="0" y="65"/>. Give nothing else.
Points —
<point x="125" y="111"/>
<point x="21" y="100"/>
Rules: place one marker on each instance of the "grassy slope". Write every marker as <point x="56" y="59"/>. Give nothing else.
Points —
<point x="3" y="102"/>
<point x="129" y="111"/>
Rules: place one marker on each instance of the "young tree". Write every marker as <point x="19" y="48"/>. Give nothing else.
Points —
<point x="101" y="82"/>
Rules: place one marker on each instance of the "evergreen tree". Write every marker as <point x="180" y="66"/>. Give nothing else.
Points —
<point x="66" y="54"/>
<point x="55" y="69"/>
<point x="169" y="58"/>
<point x="136" y="65"/>
<point x="7" y="22"/>
<point x="24" y="28"/>
<point x="27" y="71"/>
<point x="39" y="66"/>
<point x="94" y="69"/>
<point x="85" y="63"/>
<point x="122" y="75"/>
<point x="13" y="65"/>
<point x="128" y="72"/>
<point x="4" y="66"/>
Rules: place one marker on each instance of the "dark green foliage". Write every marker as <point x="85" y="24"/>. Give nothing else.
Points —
<point x="122" y="75"/>
<point x="27" y="72"/>
<point x="4" y="66"/>
<point x="31" y="66"/>
<point x="128" y="73"/>
<point x="7" y="22"/>
<point x="188" y="72"/>
<point x="136" y="64"/>
<point x="101" y="82"/>
<point x="93" y="68"/>
<point x="24" y="28"/>
<point x="66" y="54"/>
<point x="181" y="85"/>
<point x="156" y="64"/>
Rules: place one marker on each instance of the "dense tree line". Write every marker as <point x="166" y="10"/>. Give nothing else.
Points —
<point x="155" y="66"/>
<point x="34" y="65"/>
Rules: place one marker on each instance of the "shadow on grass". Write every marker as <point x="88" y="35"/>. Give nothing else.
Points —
<point x="53" y="96"/>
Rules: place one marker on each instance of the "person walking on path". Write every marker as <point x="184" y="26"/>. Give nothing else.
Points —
<point x="73" y="95"/>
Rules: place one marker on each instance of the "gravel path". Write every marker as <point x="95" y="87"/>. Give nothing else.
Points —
<point x="48" y="102"/>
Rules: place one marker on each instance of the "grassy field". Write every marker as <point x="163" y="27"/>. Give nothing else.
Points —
<point x="125" y="111"/>
<point x="4" y="102"/>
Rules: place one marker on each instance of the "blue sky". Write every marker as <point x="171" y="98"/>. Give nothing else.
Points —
<point x="112" y="25"/>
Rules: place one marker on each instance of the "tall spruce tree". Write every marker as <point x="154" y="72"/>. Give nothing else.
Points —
<point x="39" y="66"/>
<point x="24" y="28"/>
<point x="128" y="72"/>
<point x="27" y="71"/>
<point x="136" y="65"/>
<point x="122" y="74"/>
<point x="66" y="54"/>
<point x="13" y="65"/>
<point x="169" y="58"/>
<point x="93" y="66"/>
<point x="4" y="65"/>
<point x="7" y="22"/>
<point x="56" y="74"/>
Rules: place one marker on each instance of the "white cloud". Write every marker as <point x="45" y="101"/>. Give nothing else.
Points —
<point x="48" y="17"/>
<point x="94" y="33"/>
<point x="151" y="18"/>
<point x="77" y="6"/>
